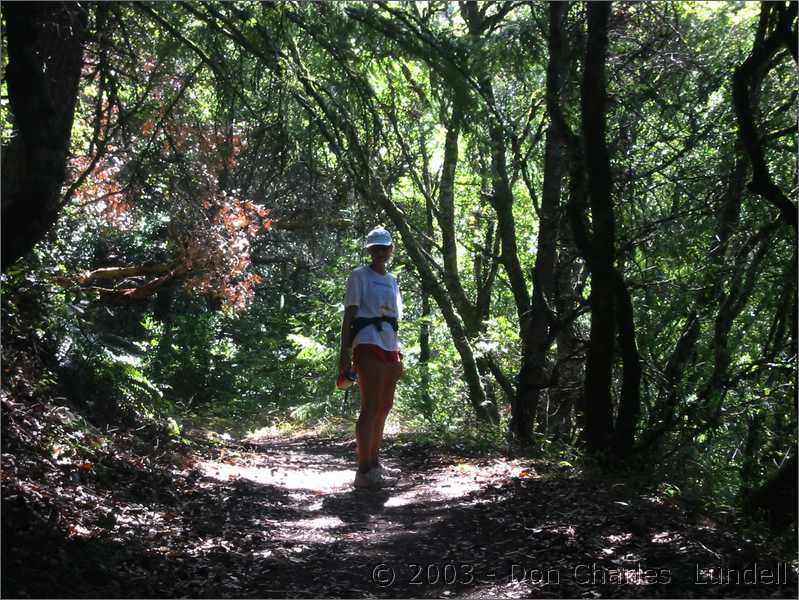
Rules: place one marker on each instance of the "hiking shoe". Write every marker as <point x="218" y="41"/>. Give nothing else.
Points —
<point x="373" y="479"/>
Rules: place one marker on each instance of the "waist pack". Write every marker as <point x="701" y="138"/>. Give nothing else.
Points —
<point x="361" y="322"/>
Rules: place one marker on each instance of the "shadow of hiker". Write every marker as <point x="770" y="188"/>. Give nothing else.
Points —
<point x="356" y="506"/>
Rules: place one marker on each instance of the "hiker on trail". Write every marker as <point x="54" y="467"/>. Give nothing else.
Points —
<point x="369" y="342"/>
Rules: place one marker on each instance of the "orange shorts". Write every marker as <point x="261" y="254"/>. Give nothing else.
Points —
<point x="387" y="356"/>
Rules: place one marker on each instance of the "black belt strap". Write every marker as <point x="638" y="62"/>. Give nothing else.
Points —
<point x="361" y="322"/>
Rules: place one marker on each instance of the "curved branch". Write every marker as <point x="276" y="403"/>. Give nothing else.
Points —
<point x="747" y="76"/>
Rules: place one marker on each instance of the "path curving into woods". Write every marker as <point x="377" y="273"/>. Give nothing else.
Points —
<point x="277" y="517"/>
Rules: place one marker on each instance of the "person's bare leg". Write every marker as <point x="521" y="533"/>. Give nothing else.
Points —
<point x="370" y="382"/>
<point x="363" y="436"/>
<point x="393" y="371"/>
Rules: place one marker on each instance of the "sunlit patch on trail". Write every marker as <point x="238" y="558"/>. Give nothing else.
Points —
<point x="307" y="474"/>
<point x="460" y="481"/>
<point x="465" y="478"/>
<point x="291" y="475"/>
<point x="317" y="523"/>
<point x="450" y="483"/>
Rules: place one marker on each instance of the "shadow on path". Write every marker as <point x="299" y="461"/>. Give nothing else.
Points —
<point x="279" y="518"/>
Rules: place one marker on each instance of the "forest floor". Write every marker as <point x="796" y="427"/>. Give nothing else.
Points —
<point x="278" y="517"/>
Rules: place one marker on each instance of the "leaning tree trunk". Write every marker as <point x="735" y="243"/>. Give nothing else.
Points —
<point x="337" y="126"/>
<point x="45" y="56"/>
<point x="471" y="314"/>
<point x="424" y="329"/>
<point x="477" y="395"/>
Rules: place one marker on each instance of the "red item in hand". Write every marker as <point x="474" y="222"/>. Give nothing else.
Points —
<point x="346" y="379"/>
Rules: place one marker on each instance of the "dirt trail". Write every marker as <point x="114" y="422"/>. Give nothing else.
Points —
<point x="279" y="518"/>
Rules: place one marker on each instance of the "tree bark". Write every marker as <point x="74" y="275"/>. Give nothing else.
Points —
<point x="45" y="56"/>
<point x="533" y="375"/>
<point x="599" y="365"/>
<point x="566" y="392"/>
<point x="630" y="399"/>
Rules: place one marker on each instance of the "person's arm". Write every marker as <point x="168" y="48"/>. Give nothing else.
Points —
<point x="344" y="356"/>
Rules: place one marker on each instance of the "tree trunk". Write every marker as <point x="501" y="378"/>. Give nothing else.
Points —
<point x="778" y="496"/>
<point x="470" y="314"/>
<point x="502" y="202"/>
<point x="533" y="375"/>
<point x="566" y="392"/>
<point x="446" y="217"/>
<point x="599" y="365"/>
<point x="502" y="194"/>
<point x="45" y="56"/>
<point x="424" y="330"/>
<point x="574" y="235"/>
<point x="630" y="399"/>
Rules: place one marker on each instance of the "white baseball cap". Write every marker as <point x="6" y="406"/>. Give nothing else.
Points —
<point x="378" y="237"/>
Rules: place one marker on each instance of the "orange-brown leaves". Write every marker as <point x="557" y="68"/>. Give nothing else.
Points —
<point x="101" y="191"/>
<point x="220" y="255"/>
<point x="186" y="166"/>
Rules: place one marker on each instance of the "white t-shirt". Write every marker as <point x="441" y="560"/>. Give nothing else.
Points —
<point x="375" y="295"/>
